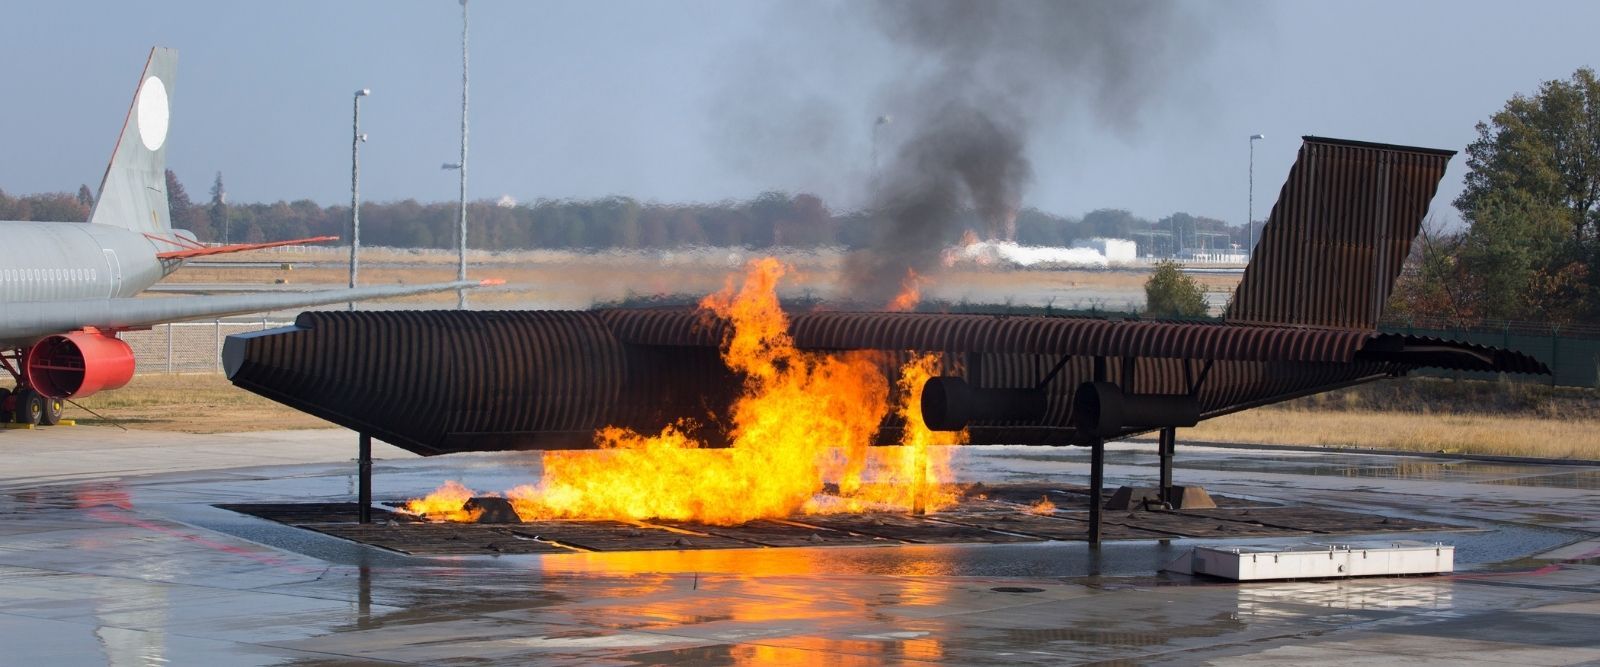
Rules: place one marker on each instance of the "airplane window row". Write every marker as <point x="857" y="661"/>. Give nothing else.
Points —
<point x="36" y="275"/>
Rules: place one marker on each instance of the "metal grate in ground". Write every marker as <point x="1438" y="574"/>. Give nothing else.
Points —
<point x="1313" y="520"/>
<point x="993" y="514"/>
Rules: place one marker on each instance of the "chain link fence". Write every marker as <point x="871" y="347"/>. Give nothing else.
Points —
<point x="1571" y="351"/>
<point x="188" y="347"/>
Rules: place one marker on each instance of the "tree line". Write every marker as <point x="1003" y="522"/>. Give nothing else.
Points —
<point x="769" y="219"/>
<point x="1531" y="247"/>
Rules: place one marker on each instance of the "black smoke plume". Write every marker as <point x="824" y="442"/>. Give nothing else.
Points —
<point x="987" y="74"/>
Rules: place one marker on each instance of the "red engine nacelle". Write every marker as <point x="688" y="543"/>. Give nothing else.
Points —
<point x="77" y="364"/>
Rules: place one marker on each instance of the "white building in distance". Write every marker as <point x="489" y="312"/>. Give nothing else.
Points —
<point x="1116" y="251"/>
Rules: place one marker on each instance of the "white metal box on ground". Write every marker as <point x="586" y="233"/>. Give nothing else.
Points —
<point x="1317" y="561"/>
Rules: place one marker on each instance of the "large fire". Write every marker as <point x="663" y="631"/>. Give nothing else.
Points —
<point x="803" y="420"/>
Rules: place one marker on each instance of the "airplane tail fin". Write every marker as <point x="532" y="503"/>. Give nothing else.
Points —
<point x="1335" y="241"/>
<point x="133" y="194"/>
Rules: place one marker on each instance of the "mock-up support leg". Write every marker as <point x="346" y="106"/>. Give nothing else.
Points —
<point x="1097" y="479"/>
<point x="1168" y="445"/>
<point x="364" y="472"/>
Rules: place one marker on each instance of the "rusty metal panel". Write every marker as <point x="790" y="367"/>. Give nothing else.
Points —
<point x="1338" y="234"/>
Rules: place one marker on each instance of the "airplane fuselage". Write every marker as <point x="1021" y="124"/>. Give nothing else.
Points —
<point x="52" y="261"/>
<point x="66" y="288"/>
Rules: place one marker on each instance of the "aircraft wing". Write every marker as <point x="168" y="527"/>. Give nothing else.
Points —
<point x="25" y="321"/>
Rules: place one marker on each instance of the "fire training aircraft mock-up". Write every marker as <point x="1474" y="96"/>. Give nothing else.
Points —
<point x="66" y="288"/>
<point x="1303" y="320"/>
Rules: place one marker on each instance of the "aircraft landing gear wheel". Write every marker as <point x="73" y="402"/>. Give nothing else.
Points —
<point x="52" y="411"/>
<point x="5" y="414"/>
<point x="30" y="407"/>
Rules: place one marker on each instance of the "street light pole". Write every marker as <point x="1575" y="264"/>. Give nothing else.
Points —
<point x="356" y="137"/>
<point x="1250" y="217"/>
<point x="1177" y="240"/>
<point x="461" y="269"/>
<point x="877" y="127"/>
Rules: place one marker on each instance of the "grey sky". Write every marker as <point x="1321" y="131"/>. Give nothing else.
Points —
<point x="698" y="101"/>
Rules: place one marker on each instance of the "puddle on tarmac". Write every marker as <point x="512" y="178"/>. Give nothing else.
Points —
<point x="1364" y="467"/>
<point x="1217" y="625"/>
<point x="1582" y="479"/>
<point x="1352" y="466"/>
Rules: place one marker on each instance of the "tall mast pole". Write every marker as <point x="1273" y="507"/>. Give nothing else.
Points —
<point x="355" y="187"/>
<point x="461" y="269"/>
<point x="1250" y="216"/>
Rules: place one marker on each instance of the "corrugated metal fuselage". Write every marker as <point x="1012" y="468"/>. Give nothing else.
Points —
<point x="438" y="382"/>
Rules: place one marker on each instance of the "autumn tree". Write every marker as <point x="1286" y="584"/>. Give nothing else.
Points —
<point x="1428" y="285"/>
<point x="48" y="207"/>
<point x="178" y="203"/>
<point x="1171" y="293"/>
<point x="1532" y="200"/>
<point x="184" y="214"/>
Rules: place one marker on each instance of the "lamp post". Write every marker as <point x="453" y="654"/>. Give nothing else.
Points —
<point x="1250" y="216"/>
<point x="356" y="137"/>
<point x="1177" y="239"/>
<point x="461" y="269"/>
<point x="877" y="130"/>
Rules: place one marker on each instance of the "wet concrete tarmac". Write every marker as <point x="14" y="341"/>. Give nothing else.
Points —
<point x="111" y="552"/>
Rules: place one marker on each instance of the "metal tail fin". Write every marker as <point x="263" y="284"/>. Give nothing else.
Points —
<point x="1334" y="244"/>
<point x="133" y="194"/>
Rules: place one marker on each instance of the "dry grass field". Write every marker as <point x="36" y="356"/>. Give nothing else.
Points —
<point x="576" y="280"/>
<point x="1367" y="429"/>
<point x="1473" y="417"/>
<point x="189" y="403"/>
<point x="1428" y="415"/>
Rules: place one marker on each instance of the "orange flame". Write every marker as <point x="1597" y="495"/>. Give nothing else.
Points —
<point x="803" y="419"/>
<point x="910" y="293"/>
<point x="916" y="474"/>
<point x="447" y="503"/>
<point x="925" y="453"/>
<point x="1042" y="506"/>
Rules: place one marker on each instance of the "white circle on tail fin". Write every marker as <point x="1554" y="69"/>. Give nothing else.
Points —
<point x="152" y="116"/>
